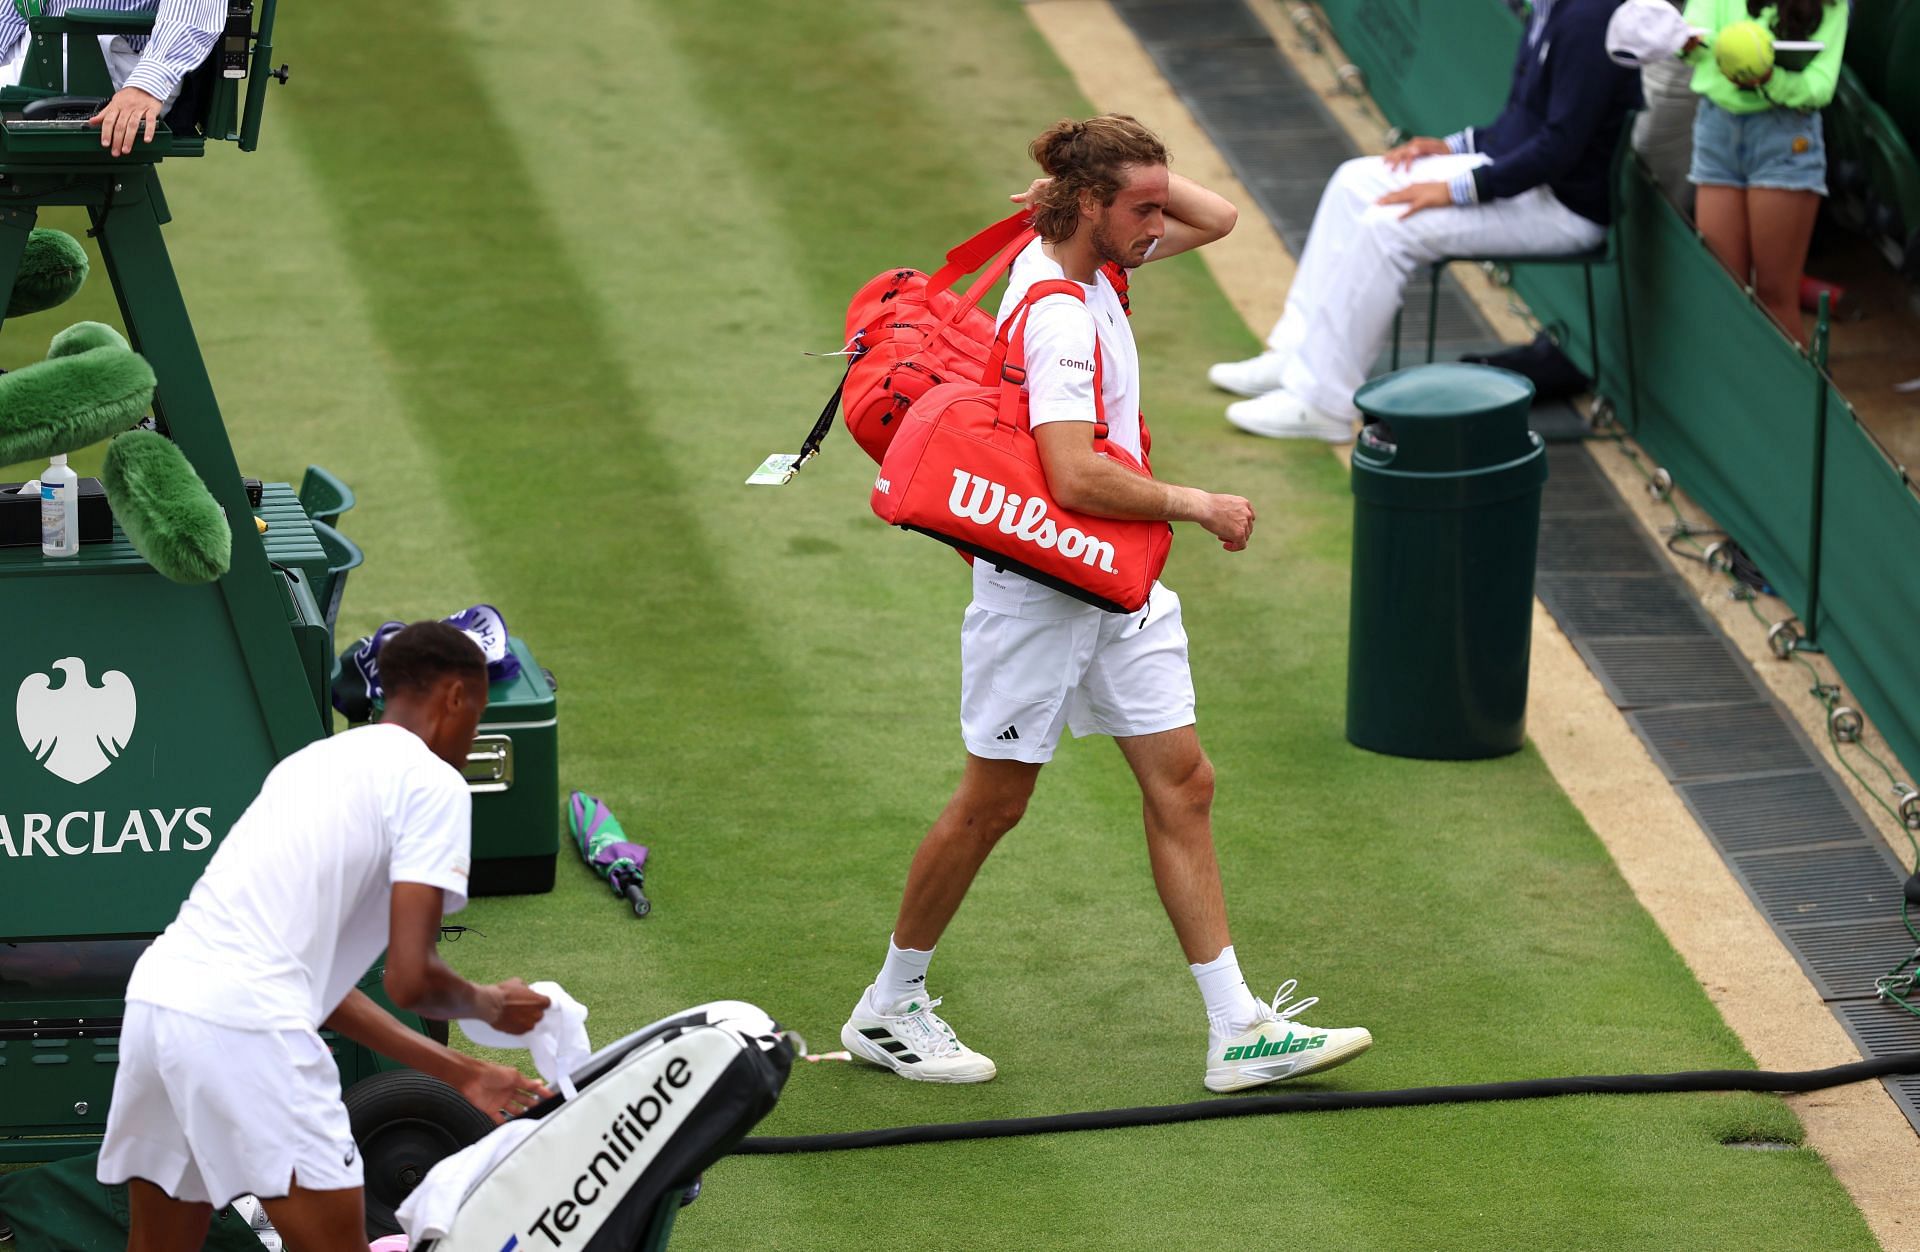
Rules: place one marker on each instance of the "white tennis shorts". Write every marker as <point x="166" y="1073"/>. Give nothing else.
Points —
<point x="1022" y="681"/>
<point x="210" y="1113"/>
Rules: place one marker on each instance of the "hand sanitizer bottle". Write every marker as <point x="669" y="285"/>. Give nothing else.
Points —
<point x="59" y="509"/>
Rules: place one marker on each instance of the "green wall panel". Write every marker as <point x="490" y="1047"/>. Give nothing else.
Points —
<point x="1433" y="66"/>
<point x="1726" y="402"/>
<point x="1869" y="594"/>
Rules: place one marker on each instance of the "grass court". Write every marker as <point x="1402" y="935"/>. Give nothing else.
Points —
<point x="537" y="283"/>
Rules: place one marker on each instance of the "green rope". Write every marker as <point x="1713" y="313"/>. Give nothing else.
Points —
<point x="1682" y="529"/>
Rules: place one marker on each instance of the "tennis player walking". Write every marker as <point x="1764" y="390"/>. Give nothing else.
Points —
<point x="1035" y="661"/>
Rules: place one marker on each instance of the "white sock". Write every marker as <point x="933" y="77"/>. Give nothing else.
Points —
<point x="904" y="974"/>
<point x="1231" y="1008"/>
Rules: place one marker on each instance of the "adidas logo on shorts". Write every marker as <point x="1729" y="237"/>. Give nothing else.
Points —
<point x="1009" y="735"/>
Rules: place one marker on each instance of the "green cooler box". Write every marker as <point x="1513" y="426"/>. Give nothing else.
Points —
<point x="514" y="772"/>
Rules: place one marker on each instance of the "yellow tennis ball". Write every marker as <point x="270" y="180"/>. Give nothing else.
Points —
<point x="1744" y="52"/>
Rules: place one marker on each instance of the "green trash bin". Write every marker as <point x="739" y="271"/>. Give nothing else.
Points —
<point x="1446" y="517"/>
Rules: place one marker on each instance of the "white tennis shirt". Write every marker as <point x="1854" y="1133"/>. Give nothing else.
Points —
<point x="1061" y="332"/>
<point x="293" y="907"/>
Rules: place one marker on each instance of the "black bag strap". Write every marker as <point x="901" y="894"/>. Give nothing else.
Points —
<point x="809" y="446"/>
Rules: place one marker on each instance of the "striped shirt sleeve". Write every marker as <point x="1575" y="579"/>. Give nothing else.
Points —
<point x="13" y="29"/>
<point x="184" y="32"/>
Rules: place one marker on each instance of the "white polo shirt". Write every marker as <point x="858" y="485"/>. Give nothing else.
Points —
<point x="293" y="908"/>
<point x="1061" y="332"/>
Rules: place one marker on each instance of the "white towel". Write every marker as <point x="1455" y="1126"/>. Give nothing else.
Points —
<point x="558" y="1041"/>
<point x="1646" y="32"/>
<point x="429" y="1212"/>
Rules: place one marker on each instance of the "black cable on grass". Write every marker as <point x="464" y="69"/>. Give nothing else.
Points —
<point x="1333" y="1101"/>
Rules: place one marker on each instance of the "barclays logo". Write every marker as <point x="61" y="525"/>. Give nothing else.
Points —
<point x="76" y="729"/>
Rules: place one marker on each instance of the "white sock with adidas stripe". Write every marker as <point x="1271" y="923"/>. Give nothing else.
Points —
<point x="1231" y="1008"/>
<point x="903" y="974"/>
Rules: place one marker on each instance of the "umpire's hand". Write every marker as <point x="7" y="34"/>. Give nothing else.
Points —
<point x="121" y="121"/>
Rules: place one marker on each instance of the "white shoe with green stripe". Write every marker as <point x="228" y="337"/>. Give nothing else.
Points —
<point x="1277" y="1047"/>
<point x="912" y="1041"/>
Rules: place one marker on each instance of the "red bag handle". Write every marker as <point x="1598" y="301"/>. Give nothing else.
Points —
<point x="964" y="258"/>
<point x="970" y="299"/>
<point x="1010" y="235"/>
<point x="1012" y="342"/>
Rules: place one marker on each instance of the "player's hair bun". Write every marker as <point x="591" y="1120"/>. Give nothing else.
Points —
<point x="1086" y="156"/>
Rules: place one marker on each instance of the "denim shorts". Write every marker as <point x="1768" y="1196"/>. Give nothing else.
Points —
<point x="1778" y="149"/>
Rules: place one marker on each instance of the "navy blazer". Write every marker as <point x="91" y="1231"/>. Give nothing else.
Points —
<point x="1564" y="114"/>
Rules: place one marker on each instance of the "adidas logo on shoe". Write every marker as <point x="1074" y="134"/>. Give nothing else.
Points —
<point x="1260" y="1054"/>
<point x="1008" y="735"/>
<point x="1264" y="1046"/>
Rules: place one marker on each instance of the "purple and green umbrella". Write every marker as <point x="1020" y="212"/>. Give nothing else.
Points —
<point x="604" y="846"/>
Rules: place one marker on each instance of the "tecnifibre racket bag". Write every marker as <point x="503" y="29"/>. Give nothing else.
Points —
<point x="653" y="1111"/>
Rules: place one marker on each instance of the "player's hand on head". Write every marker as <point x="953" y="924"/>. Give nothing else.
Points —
<point x="501" y="1091"/>
<point x="125" y="116"/>
<point x="1033" y="189"/>
<point x="517" y="1007"/>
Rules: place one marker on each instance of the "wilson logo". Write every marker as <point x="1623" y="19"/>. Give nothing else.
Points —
<point x="987" y="503"/>
<point x="1264" y="1046"/>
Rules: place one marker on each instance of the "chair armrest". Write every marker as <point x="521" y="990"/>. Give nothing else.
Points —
<point x="93" y="22"/>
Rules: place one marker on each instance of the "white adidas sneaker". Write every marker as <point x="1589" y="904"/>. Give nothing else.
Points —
<point x="913" y="1042"/>
<point x="1283" y="415"/>
<point x="1277" y="1047"/>
<point x="1255" y="376"/>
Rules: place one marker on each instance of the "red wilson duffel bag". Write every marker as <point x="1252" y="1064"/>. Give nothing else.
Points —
<point x="908" y="332"/>
<point x="963" y="468"/>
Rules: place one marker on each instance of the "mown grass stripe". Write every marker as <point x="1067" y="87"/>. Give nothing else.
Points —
<point x="304" y="377"/>
<point x="565" y="435"/>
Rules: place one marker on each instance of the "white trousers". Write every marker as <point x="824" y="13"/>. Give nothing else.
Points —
<point x="1353" y="274"/>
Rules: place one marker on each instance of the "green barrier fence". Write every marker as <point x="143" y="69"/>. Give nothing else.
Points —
<point x="1869" y="597"/>
<point x="1427" y="58"/>
<point x="1725" y="402"/>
